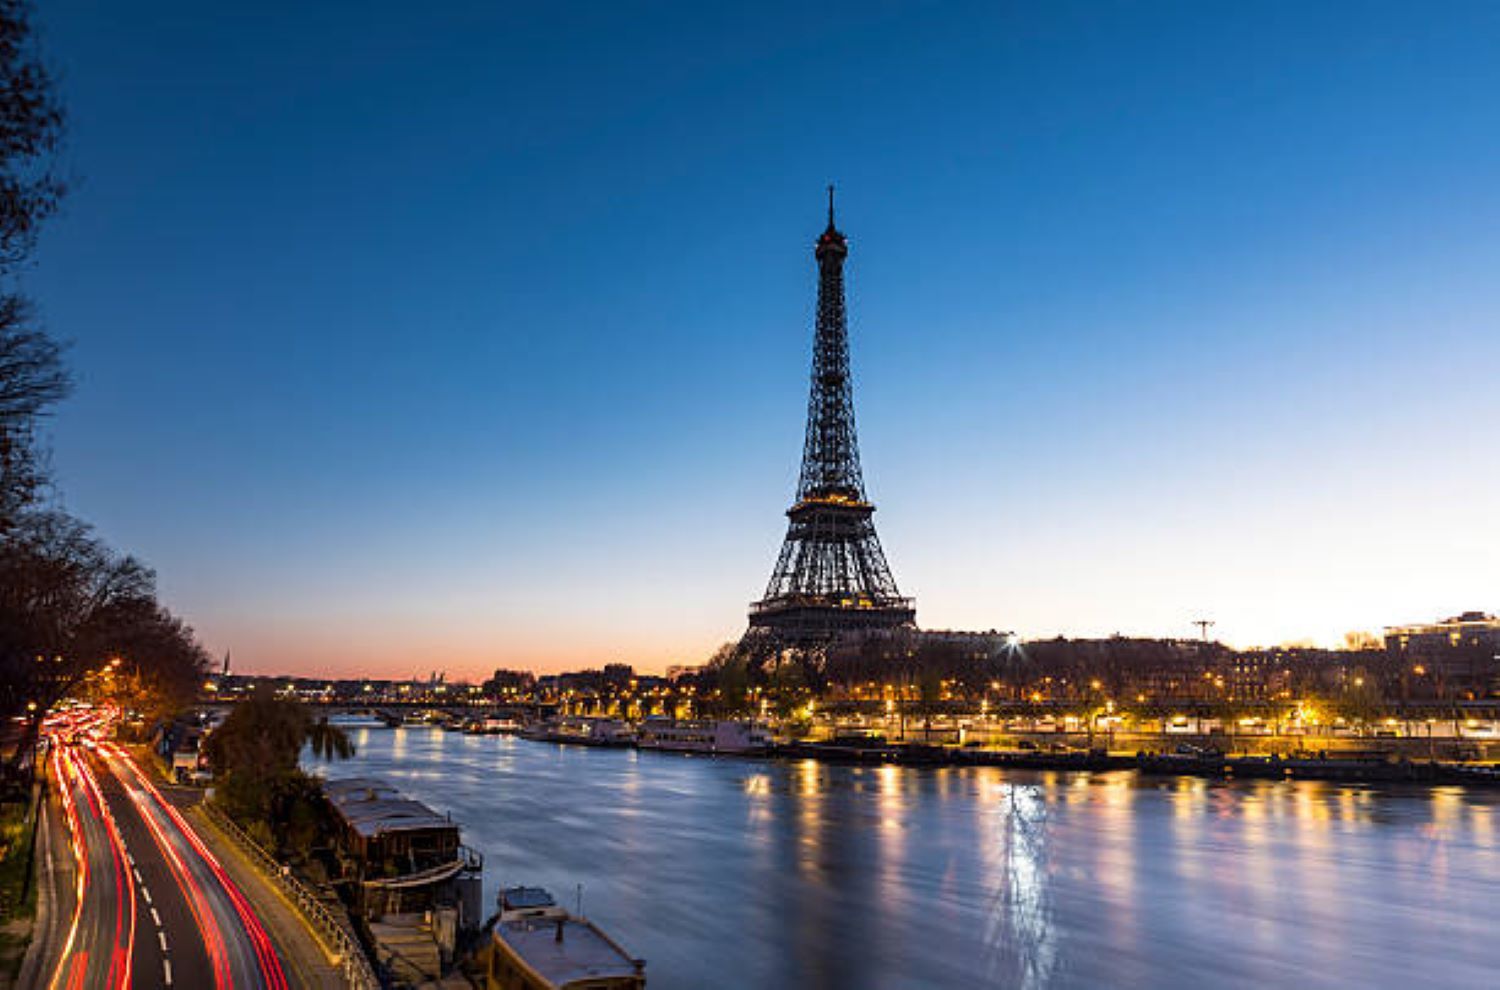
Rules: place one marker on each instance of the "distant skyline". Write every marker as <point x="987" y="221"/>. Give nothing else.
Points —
<point x="471" y="336"/>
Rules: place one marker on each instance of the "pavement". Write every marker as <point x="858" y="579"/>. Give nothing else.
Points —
<point x="56" y="880"/>
<point x="130" y="895"/>
<point x="308" y="961"/>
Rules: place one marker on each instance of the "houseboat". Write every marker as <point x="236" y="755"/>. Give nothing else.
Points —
<point x="683" y="736"/>
<point x="537" y="945"/>
<point x="405" y="875"/>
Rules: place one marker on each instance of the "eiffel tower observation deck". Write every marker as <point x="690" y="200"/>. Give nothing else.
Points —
<point x="831" y="577"/>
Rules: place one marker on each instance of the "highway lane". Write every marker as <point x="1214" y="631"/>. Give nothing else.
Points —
<point x="155" y="907"/>
<point x="239" y="950"/>
<point x="173" y="949"/>
<point x="100" y="942"/>
<point x="56" y="889"/>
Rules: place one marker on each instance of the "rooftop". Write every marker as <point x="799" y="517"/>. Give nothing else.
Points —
<point x="1476" y="618"/>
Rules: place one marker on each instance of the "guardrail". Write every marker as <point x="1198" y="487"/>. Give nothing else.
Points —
<point x="351" y="957"/>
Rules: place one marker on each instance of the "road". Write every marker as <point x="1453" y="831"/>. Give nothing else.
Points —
<point x="149" y="905"/>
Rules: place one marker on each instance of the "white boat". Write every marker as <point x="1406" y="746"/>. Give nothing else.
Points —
<point x="537" y="945"/>
<point x="583" y="731"/>
<point x="491" y="726"/>
<point x="685" y="736"/>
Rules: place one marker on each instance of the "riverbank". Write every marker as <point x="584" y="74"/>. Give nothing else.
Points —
<point x="1194" y="761"/>
<point x="1198" y="763"/>
<point x="1303" y="756"/>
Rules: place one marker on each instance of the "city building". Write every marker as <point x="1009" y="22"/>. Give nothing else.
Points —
<point x="1457" y="658"/>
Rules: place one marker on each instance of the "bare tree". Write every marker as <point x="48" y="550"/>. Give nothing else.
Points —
<point x="31" y="128"/>
<point x="32" y="377"/>
<point x="61" y="589"/>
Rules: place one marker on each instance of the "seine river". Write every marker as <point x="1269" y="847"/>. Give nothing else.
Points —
<point x="739" y="873"/>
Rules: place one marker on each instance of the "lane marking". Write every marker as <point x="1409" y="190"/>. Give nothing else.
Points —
<point x="162" y="937"/>
<point x="145" y="893"/>
<point x="156" y="917"/>
<point x="166" y="966"/>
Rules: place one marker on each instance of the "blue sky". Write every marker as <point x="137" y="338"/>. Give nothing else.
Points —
<point x="461" y="335"/>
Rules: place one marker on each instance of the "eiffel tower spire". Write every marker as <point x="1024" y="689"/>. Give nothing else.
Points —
<point x="831" y="576"/>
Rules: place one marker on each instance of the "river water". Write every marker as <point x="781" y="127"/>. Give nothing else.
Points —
<point x="734" y="873"/>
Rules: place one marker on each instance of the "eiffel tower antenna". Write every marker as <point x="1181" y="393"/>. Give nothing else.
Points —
<point x="831" y="576"/>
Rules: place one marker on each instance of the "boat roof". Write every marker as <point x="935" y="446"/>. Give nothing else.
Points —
<point x="372" y="807"/>
<point x="583" y="953"/>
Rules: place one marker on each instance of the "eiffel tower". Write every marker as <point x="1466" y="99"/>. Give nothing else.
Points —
<point x="831" y="577"/>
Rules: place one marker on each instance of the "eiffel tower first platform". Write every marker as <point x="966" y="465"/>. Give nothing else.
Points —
<point x="831" y="577"/>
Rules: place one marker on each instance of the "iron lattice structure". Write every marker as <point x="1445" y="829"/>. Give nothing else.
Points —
<point x="831" y="576"/>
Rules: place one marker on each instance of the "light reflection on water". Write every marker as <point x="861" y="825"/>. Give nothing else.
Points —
<point x="732" y="873"/>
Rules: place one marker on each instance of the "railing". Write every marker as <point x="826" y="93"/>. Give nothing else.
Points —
<point x="852" y="602"/>
<point x="351" y="957"/>
<point x="421" y="878"/>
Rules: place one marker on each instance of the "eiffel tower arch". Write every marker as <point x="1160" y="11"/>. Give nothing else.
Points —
<point x="831" y="577"/>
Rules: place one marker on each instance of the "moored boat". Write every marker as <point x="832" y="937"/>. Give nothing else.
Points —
<point x="491" y="726"/>
<point x="536" y="944"/>
<point x="582" y="731"/>
<point x="703" y="736"/>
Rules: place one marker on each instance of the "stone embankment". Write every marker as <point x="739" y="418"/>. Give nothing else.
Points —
<point x="1195" y="761"/>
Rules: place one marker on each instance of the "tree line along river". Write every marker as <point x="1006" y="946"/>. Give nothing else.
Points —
<point x="763" y="874"/>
